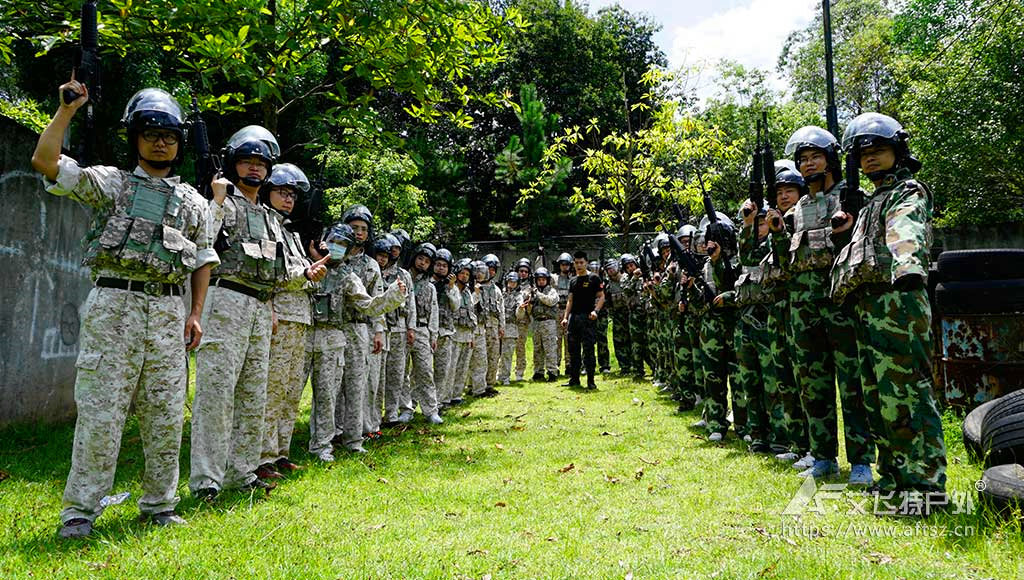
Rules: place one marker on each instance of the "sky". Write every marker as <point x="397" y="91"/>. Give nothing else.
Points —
<point x="750" y="32"/>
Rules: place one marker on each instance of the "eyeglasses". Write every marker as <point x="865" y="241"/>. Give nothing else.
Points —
<point x="286" y="193"/>
<point x="167" y="137"/>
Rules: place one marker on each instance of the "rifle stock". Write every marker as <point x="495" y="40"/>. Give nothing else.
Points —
<point x="207" y="164"/>
<point x="87" y="72"/>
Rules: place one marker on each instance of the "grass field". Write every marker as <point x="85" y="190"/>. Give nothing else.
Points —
<point x="539" y="482"/>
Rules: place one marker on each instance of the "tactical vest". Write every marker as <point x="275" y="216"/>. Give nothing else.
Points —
<point x="423" y="302"/>
<point x="143" y="234"/>
<point x="750" y="287"/>
<point x="867" y="260"/>
<point x="464" y="317"/>
<point x="329" y="304"/>
<point x="489" y="300"/>
<point x="250" y="253"/>
<point x="445" y="314"/>
<point x="562" y="284"/>
<point x="614" y="300"/>
<point x="810" y="246"/>
<point x="512" y="301"/>
<point x="360" y="266"/>
<point x="542" y="311"/>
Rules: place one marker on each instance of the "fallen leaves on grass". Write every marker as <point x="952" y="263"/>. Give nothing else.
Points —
<point x="880" y="558"/>
<point x="610" y="434"/>
<point x="382" y="480"/>
<point x="380" y="526"/>
<point x="499" y="446"/>
<point x="610" y="479"/>
<point x="655" y="462"/>
<point x="567" y="468"/>
<point x="639" y="474"/>
<point x="500" y="504"/>
<point x="478" y="552"/>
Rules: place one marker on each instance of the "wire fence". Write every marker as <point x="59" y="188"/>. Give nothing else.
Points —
<point x="596" y="246"/>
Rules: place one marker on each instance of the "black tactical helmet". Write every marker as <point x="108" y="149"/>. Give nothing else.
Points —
<point x="785" y="165"/>
<point x="564" y="258"/>
<point x="542" y="273"/>
<point x="382" y="245"/>
<point x="360" y="212"/>
<point x="788" y="177"/>
<point x="492" y="261"/>
<point x="464" y="264"/>
<point x="627" y="259"/>
<point x="511" y="277"/>
<point x="661" y="240"/>
<point x="403" y="237"/>
<point x="444" y="255"/>
<point x="594" y="266"/>
<point x="877" y="129"/>
<point x="250" y="141"/>
<point x="686" y="231"/>
<point x="811" y="137"/>
<point x="284" y="175"/>
<point x="339" y="238"/>
<point x="611" y="264"/>
<point x="479" y="267"/>
<point x="524" y="263"/>
<point x="427" y="249"/>
<point x="154" y="109"/>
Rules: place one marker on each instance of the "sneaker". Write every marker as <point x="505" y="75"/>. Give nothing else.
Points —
<point x="519" y="378"/>
<point x="821" y="468"/>
<point x="787" y="456"/>
<point x="490" y="392"/>
<point x="164" y="519"/>
<point x="75" y="528"/>
<point x="572" y="383"/>
<point x="716" y="437"/>
<point x="286" y="464"/>
<point x="552" y="377"/>
<point x="748" y="439"/>
<point x="357" y="449"/>
<point x="258" y="485"/>
<point x="405" y="416"/>
<point x="326" y="456"/>
<point x="700" y="424"/>
<point x="537" y="377"/>
<point x="206" y="494"/>
<point x="860" y="474"/>
<point x="591" y="384"/>
<point x="506" y="383"/>
<point x="606" y="370"/>
<point x="759" y="448"/>
<point x="458" y="401"/>
<point x="807" y="461"/>
<point x="267" y="471"/>
<point x="435" y="419"/>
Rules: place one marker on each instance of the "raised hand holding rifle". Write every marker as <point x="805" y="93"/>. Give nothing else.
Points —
<point x="86" y="80"/>
<point x="851" y="198"/>
<point x="208" y="166"/>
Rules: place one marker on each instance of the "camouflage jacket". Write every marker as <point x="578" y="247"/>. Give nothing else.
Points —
<point x="891" y="239"/>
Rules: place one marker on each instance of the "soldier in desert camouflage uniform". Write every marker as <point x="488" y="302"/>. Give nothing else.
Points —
<point x="881" y="270"/>
<point x="465" y="330"/>
<point x="449" y="298"/>
<point x="542" y="306"/>
<point x="511" y="300"/>
<point x="134" y="332"/>
<point x="400" y="324"/>
<point x="293" y="315"/>
<point x="422" y="388"/>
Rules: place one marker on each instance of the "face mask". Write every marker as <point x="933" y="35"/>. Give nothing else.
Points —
<point x="337" y="251"/>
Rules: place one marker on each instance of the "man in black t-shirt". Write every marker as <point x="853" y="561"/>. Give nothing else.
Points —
<point x="586" y="299"/>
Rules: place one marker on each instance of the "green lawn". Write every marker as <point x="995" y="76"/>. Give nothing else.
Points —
<point x="539" y="482"/>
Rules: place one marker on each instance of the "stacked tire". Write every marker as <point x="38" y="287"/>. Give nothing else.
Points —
<point x="975" y="287"/>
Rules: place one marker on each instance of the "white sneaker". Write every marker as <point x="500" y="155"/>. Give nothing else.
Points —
<point x="326" y="456"/>
<point x="805" y="463"/>
<point x="404" y="417"/>
<point x="435" y="419"/>
<point x="788" y="456"/>
<point x="748" y="439"/>
<point x="715" y="437"/>
<point x="505" y="383"/>
<point x="700" y="424"/>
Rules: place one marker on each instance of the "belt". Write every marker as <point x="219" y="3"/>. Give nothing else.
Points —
<point x="261" y="295"/>
<point x="151" y="288"/>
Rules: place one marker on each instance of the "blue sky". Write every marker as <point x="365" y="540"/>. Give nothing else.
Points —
<point x="701" y="32"/>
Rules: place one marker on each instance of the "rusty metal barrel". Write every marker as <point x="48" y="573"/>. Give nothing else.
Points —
<point x="980" y="302"/>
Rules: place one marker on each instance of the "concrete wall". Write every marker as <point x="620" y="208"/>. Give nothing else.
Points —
<point x="42" y="287"/>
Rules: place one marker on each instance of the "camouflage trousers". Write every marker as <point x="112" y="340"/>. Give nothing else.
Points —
<point x="478" y="362"/>
<point x="327" y="365"/>
<point x="754" y="371"/>
<point x="638" y="335"/>
<point x="603" y="354"/>
<point x="394" y="374"/>
<point x="131" y="347"/>
<point x="522" y="332"/>
<point x="894" y="342"/>
<point x="654" y="345"/>
<point x="562" y="353"/>
<point x="785" y="410"/>
<point x="232" y="365"/>
<point x="824" y="343"/>
<point x="681" y="378"/>
<point x="508" y="349"/>
<point x="621" y="339"/>
<point x="289" y="367"/>
<point x="421" y="387"/>
<point x="374" y="401"/>
<point x="351" y="398"/>
<point x="462" y="356"/>
<point x="545" y="346"/>
<point x="696" y="361"/>
<point x="493" y="353"/>
<point x="443" y="368"/>
<point x="717" y="357"/>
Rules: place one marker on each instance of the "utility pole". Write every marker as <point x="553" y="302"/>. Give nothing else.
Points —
<point x="830" y="110"/>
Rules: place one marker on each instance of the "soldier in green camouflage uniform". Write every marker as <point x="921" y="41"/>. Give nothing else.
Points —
<point x="601" y="326"/>
<point x="822" y="334"/>
<point x="881" y="271"/>
<point x="618" y="311"/>
<point x="134" y="332"/>
<point x="686" y="332"/>
<point x="633" y="292"/>
<point x="663" y="309"/>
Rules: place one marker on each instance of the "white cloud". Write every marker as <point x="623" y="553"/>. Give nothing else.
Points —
<point x="752" y="35"/>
